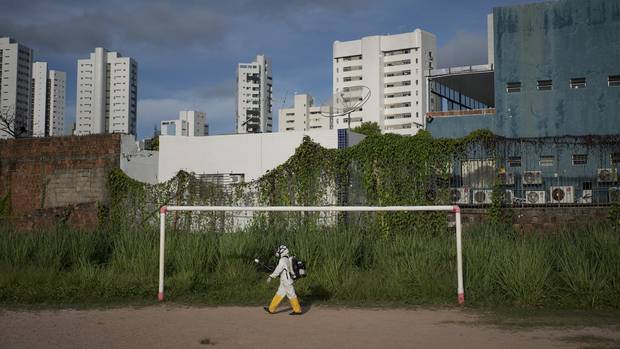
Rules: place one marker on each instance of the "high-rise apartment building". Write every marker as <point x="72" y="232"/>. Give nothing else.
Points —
<point x="107" y="90"/>
<point x="393" y="68"/>
<point x="303" y="116"/>
<point x="254" y="87"/>
<point x="15" y="89"/>
<point x="190" y="123"/>
<point x="48" y="101"/>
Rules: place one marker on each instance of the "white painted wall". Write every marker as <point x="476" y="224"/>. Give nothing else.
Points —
<point x="141" y="165"/>
<point x="249" y="154"/>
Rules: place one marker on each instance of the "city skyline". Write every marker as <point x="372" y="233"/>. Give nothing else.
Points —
<point x="193" y="65"/>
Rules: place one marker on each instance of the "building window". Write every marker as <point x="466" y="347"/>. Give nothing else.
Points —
<point x="514" y="161"/>
<point x="577" y="82"/>
<point x="545" y="85"/>
<point x="615" y="158"/>
<point x="513" y="87"/>
<point x="613" y="80"/>
<point x="580" y="159"/>
<point x="546" y="160"/>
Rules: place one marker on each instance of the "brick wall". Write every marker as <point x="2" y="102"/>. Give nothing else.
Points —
<point x="57" y="178"/>
<point x="533" y="219"/>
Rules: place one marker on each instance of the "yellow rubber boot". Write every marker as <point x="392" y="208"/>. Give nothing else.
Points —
<point x="295" y="305"/>
<point x="275" y="302"/>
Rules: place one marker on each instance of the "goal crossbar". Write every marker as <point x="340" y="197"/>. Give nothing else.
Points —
<point x="454" y="209"/>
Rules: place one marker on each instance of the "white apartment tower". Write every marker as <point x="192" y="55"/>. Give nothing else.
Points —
<point x="48" y="101"/>
<point x="393" y="68"/>
<point x="254" y="87"/>
<point x="303" y="116"/>
<point x="107" y="90"/>
<point x="190" y="123"/>
<point x="15" y="89"/>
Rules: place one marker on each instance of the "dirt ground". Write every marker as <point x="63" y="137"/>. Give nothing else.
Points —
<point x="175" y="326"/>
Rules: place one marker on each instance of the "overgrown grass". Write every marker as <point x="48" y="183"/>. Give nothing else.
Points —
<point x="358" y="265"/>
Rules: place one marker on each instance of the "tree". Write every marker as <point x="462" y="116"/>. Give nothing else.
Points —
<point x="368" y="128"/>
<point x="9" y="124"/>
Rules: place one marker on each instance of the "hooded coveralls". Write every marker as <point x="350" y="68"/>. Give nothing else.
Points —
<point x="286" y="285"/>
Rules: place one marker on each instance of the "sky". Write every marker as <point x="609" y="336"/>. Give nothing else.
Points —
<point x="187" y="50"/>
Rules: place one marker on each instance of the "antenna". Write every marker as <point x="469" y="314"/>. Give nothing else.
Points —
<point x="344" y="103"/>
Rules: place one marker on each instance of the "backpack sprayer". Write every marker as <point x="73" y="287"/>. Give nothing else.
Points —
<point x="257" y="261"/>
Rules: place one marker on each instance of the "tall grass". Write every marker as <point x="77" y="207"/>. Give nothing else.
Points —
<point x="355" y="265"/>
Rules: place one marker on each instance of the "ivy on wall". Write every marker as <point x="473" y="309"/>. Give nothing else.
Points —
<point x="383" y="169"/>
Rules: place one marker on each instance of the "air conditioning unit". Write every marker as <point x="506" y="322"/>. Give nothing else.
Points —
<point x="564" y="194"/>
<point x="607" y="175"/>
<point x="614" y="195"/>
<point x="459" y="195"/>
<point x="507" y="178"/>
<point x="482" y="196"/>
<point x="532" y="177"/>
<point x="508" y="196"/>
<point x="535" y="197"/>
<point x="586" y="196"/>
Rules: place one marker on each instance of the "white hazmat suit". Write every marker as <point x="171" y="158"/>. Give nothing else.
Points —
<point x="284" y="270"/>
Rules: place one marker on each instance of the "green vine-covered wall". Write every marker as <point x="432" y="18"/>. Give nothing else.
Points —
<point x="381" y="170"/>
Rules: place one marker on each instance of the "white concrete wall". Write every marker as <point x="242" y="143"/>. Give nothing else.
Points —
<point x="141" y="165"/>
<point x="249" y="154"/>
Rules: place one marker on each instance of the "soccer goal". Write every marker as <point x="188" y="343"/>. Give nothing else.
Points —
<point x="454" y="209"/>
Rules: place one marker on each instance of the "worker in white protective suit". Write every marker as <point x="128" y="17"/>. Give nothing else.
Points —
<point x="284" y="270"/>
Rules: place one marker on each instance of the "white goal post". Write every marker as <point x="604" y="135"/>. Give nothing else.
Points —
<point x="454" y="209"/>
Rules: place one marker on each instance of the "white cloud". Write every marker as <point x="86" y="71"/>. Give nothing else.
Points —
<point x="464" y="49"/>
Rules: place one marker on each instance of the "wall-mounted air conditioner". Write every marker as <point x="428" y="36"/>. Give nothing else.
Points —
<point x="563" y="194"/>
<point x="507" y="178"/>
<point x="586" y="196"/>
<point x="532" y="177"/>
<point x="459" y="195"/>
<point x="607" y="175"/>
<point x="614" y="195"/>
<point x="508" y="196"/>
<point x="535" y="197"/>
<point x="482" y="196"/>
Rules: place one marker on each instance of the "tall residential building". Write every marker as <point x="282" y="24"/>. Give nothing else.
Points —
<point x="48" y="101"/>
<point x="393" y="68"/>
<point x="254" y="87"/>
<point x="15" y="91"/>
<point x="303" y="116"/>
<point x="107" y="90"/>
<point x="190" y="123"/>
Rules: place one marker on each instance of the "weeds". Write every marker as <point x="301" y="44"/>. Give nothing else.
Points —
<point x="354" y="265"/>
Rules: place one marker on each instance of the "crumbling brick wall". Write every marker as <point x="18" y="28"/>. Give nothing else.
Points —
<point x="57" y="178"/>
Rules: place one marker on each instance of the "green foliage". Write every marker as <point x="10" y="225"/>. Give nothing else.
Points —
<point x="368" y="128"/>
<point x="355" y="265"/>
<point x="5" y="205"/>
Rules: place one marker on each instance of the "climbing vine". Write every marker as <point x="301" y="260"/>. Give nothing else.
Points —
<point x="383" y="169"/>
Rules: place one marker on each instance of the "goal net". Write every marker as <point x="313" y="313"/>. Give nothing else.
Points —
<point x="329" y="216"/>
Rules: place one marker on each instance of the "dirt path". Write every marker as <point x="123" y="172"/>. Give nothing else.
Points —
<point x="173" y="326"/>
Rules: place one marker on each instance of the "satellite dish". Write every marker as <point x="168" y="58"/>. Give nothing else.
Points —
<point x="345" y="102"/>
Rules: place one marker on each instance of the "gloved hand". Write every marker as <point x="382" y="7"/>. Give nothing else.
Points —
<point x="268" y="279"/>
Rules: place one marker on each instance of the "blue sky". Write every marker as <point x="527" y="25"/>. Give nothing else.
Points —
<point x="187" y="50"/>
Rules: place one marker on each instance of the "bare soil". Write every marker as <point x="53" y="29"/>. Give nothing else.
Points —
<point x="174" y="326"/>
